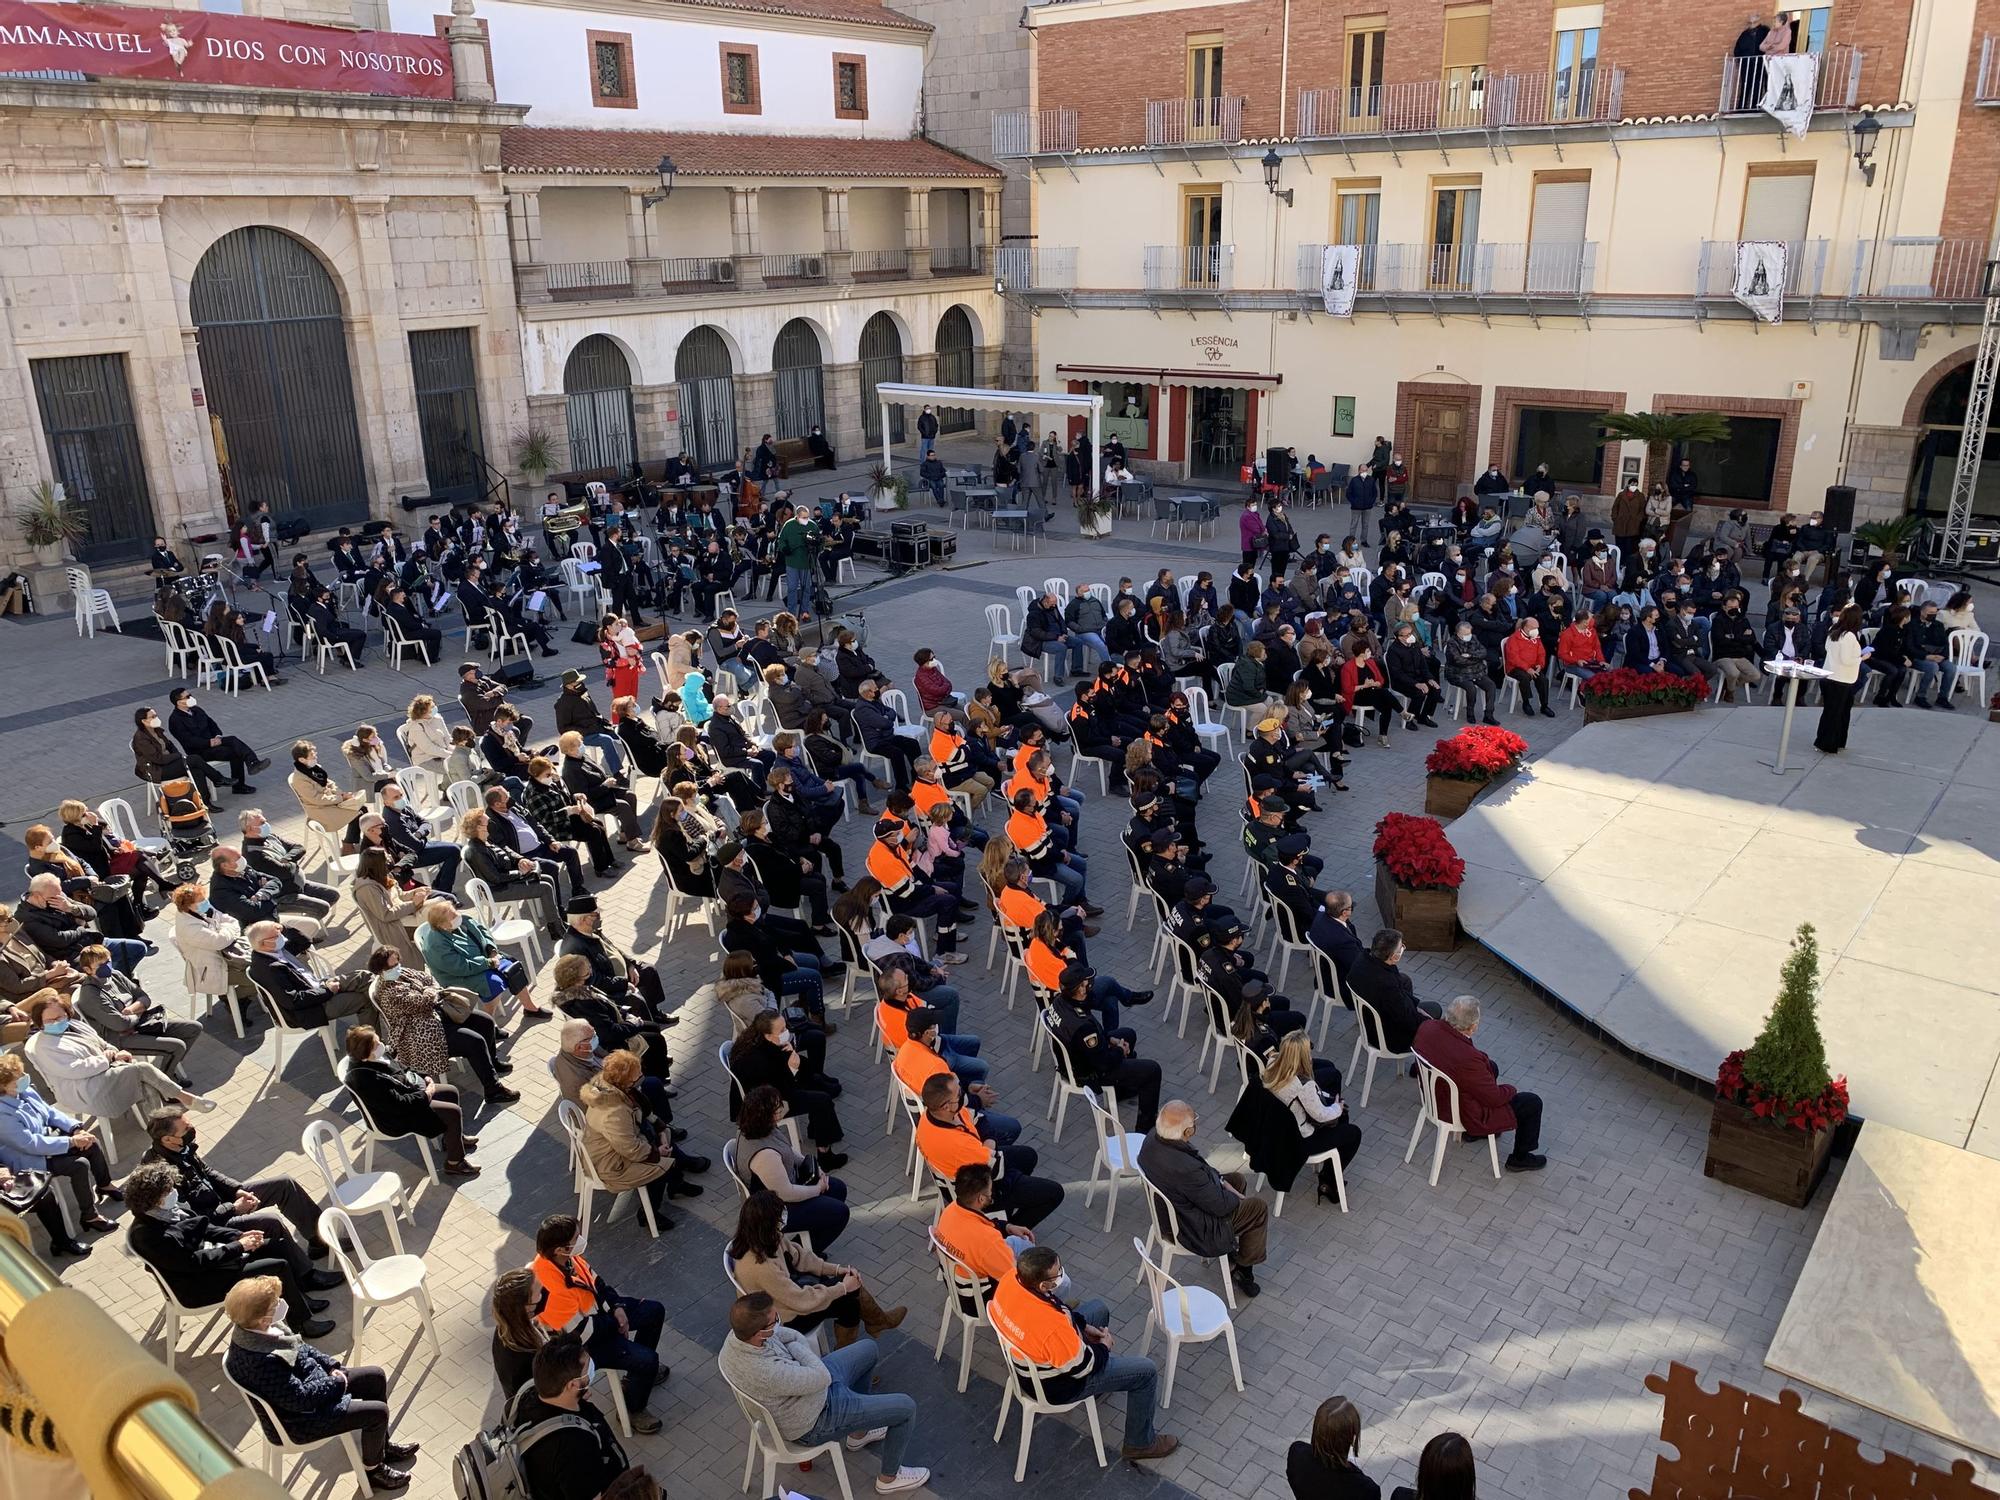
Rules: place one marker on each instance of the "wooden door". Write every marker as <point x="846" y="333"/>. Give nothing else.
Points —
<point x="1442" y="462"/>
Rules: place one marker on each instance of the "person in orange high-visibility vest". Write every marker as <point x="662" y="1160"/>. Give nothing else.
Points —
<point x="1035" y="842"/>
<point x="971" y="1236"/>
<point x="907" y="892"/>
<point x="621" y="1333"/>
<point x="950" y="1136"/>
<point x="928" y="790"/>
<point x="927" y="1052"/>
<point x="1019" y="907"/>
<point x="953" y="754"/>
<point x="1072" y="1346"/>
<point x="1034" y="740"/>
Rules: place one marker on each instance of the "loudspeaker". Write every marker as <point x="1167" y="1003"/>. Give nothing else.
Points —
<point x="1277" y="465"/>
<point x="1839" y="509"/>
<point x="515" y="673"/>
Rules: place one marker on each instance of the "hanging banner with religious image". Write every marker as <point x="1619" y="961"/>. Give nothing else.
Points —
<point x="1339" y="270"/>
<point x="194" y="46"/>
<point x="1760" y="278"/>
<point x="1791" y="82"/>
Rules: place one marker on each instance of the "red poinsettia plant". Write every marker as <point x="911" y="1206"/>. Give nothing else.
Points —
<point x="1822" y="1111"/>
<point x="1624" y="688"/>
<point x="1478" y="752"/>
<point x="1783" y="1075"/>
<point x="1417" y="853"/>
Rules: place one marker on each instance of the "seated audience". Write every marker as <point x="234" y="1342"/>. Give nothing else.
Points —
<point x="1486" y="1105"/>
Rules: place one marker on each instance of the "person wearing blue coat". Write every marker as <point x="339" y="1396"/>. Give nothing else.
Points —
<point x="35" y="1136"/>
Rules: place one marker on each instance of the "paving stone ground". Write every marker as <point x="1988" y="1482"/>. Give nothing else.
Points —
<point x="1523" y="1312"/>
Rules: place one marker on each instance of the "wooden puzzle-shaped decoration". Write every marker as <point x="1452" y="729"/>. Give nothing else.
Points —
<point x="1733" y="1444"/>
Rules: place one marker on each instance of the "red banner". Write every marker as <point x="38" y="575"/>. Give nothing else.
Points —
<point x="192" y="46"/>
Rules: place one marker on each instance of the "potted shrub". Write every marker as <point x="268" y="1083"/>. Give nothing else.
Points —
<point x="52" y="524"/>
<point x="1417" y="875"/>
<point x="1093" y="515"/>
<point x="1466" y="764"/>
<point x="888" y="490"/>
<point x="1776" y="1105"/>
<point x="534" y="455"/>
<point x="1626" y="694"/>
<point x="1892" y="538"/>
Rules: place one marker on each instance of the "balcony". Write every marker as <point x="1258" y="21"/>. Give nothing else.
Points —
<point x="691" y="275"/>
<point x="1465" y="101"/>
<point x="1488" y="269"/>
<point x="1190" y="268"/>
<point x="1987" y="89"/>
<point x="1805" y="268"/>
<point x="806" y="269"/>
<point x="956" y="260"/>
<point x="1033" y="132"/>
<point x="1838" y="88"/>
<point x="1919" y="269"/>
<point x="1194" y="122"/>
<point x="1036" y="268"/>
<point x="588" y="280"/>
<point x="879" y="265"/>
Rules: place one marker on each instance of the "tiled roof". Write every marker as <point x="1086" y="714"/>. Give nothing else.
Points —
<point x="859" y="12"/>
<point x="635" y="153"/>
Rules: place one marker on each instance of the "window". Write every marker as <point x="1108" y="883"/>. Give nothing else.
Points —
<point x="1462" y="101"/>
<point x="1777" y="201"/>
<point x="1565" y="440"/>
<point x="850" y="86"/>
<point x="611" y="82"/>
<point x="742" y="93"/>
<point x="1741" y="469"/>
<point x="1357" y="220"/>
<point x="1201" y="236"/>
<point x="1343" y="416"/>
<point x="1365" y="38"/>
<point x="1454" y="232"/>
<point x="1561" y="207"/>
<point x="1204" y="87"/>
<point x="1573" y="80"/>
<point x="1809" y="27"/>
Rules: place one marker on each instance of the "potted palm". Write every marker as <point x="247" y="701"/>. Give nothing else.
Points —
<point x="1094" y="513"/>
<point x="1892" y="538"/>
<point x="1661" y="432"/>
<point x="52" y="524"/>
<point x="888" y="490"/>
<point x="1776" y="1105"/>
<point x="534" y="455"/>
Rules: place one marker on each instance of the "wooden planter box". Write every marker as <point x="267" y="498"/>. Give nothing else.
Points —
<point x="1428" y="920"/>
<point x="1595" y="715"/>
<point x="1765" y="1157"/>
<point x="1447" y="796"/>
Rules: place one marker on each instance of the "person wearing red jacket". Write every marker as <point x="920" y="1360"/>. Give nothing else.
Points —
<point x="1527" y="662"/>
<point x="1579" y="649"/>
<point x="1486" y="1106"/>
<point x="1364" y="681"/>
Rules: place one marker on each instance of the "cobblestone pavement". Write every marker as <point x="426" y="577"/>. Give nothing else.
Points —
<point x="1522" y="1312"/>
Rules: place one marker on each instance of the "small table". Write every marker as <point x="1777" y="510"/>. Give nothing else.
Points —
<point x="1792" y="672"/>
<point x="965" y="474"/>
<point x="978" y="498"/>
<point x="1204" y="511"/>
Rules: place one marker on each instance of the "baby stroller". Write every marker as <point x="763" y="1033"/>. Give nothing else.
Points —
<point x="185" y="823"/>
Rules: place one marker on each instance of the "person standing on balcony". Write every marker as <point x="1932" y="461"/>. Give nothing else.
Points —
<point x="1747" y="63"/>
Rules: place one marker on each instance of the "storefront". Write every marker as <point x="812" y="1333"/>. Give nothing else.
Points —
<point x="1188" y="424"/>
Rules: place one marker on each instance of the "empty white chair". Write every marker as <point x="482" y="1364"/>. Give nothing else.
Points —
<point x="589" y="1183"/>
<point x="1371" y="1040"/>
<point x="965" y="1300"/>
<point x="898" y="703"/>
<point x="1000" y="625"/>
<point x="1187" y="1315"/>
<point x="582" y="586"/>
<point x="93" y="605"/>
<point x="765" y="1439"/>
<point x="1970" y="652"/>
<point x="1024" y="1384"/>
<point x="175" y="1312"/>
<point x="1117" y="1151"/>
<point x="351" y="1191"/>
<point x="1449" y="1121"/>
<point x="278" y="1442"/>
<point x="1200" y="718"/>
<point x="182" y="653"/>
<point x="465" y="797"/>
<point x="376" y="1284"/>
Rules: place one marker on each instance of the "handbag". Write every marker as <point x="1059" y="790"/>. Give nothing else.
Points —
<point x="456" y="1005"/>
<point x="1351" y="735"/>
<point x="25" y="1191"/>
<point x="116" y="889"/>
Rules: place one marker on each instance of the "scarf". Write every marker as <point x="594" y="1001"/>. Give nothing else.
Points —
<point x="277" y="1339"/>
<point x="312" y="773"/>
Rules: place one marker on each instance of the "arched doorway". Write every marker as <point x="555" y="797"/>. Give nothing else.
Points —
<point x="598" y="382"/>
<point x="881" y="361"/>
<point x="274" y="372"/>
<point x="707" y="398"/>
<point x="799" y="384"/>
<point x="956" y="366"/>
<point x="1943" y="422"/>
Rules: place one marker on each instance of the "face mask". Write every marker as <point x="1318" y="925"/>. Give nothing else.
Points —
<point x="784" y="1039"/>
<point x="204" y="907"/>
<point x="171" y="1204"/>
<point x="1465" y="635"/>
<point x="56" y="1028"/>
<point x="104" y="969"/>
<point x="187" y="1139"/>
<point x="392" y="971"/>
<point x="589" y="1372"/>
<point x="278" y="1312"/>
<point x="1062" y="1284"/>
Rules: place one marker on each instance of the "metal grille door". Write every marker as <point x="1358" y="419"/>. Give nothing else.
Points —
<point x="707" y="397"/>
<point x="956" y="367"/>
<point x="799" y="382"/>
<point x="94" y="448"/>
<point x="881" y="361"/>
<point x="448" y="412"/>
<point x="598" y="383"/>
<point x="274" y="364"/>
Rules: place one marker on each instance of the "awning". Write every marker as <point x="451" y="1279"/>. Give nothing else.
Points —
<point x="1220" y="380"/>
<point x="898" y="393"/>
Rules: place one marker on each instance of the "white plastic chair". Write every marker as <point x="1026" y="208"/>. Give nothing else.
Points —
<point x="1166" y="1233"/>
<point x="1448" y="1122"/>
<point x="1101" y="592"/>
<point x="1200" y="718"/>
<point x="1371" y="1040"/>
<point x="1023" y="1384"/>
<point x="1187" y="1315"/>
<point x="92" y="604"/>
<point x="965" y="1300"/>
<point x="124" y="823"/>
<point x="376" y="1284"/>
<point x="395" y="645"/>
<point x="1063" y="1087"/>
<point x="507" y="932"/>
<point x="1970" y="652"/>
<point x="1060" y="588"/>
<point x="373" y="1134"/>
<point x="898" y="703"/>
<point x="351" y="1191"/>
<point x="464" y="797"/>
<point x="589" y="1183"/>
<point x="1000" y="625"/>
<point x="265" y="1419"/>
<point x="226" y="995"/>
<point x="281" y="1030"/>
<point x="323" y="650"/>
<point x="175" y="1312"/>
<point x="182" y="653"/>
<point x="582" y="586"/>
<point x="224" y="660"/>
<point x="765" y="1439"/>
<point x="1117" y="1151"/>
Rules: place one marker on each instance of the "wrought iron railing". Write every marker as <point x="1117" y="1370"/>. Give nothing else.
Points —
<point x="1190" y="268"/>
<point x="1191" y="122"/>
<point x="1033" y="132"/>
<point x="575" y="280"/>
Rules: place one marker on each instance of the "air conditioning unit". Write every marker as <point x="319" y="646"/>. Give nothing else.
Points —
<point x="723" y="271"/>
<point x="812" y="265"/>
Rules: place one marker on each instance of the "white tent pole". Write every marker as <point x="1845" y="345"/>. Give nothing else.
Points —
<point x="1096" y="444"/>
<point x="887" y="464"/>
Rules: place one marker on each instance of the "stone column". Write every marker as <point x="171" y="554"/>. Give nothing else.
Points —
<point x="468" y="55"/>
<point x="986" y="233"/>
<point x="745" y="242"/>
<point x="756" y="407"/>
<point x="656" y="426"/>
<point x="524" y="241"/>
<point x="386" y="394"/>
<point x="917" y="229"/>
<point x="503" y="393"/>
<point x="842" y="389"/>
<point x="833" y="234"/>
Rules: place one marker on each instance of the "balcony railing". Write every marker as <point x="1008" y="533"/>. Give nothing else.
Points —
<point x="955" y="260"/>
<point x="1036" y="268"/>
<point x="1033" y="132"/>
<point x="879" y="265"/>
<point x="1987" y="89"/>
<point x="1466" y="101"/>
<point x="1839" y="85"/>
<point x="793" y="270"/>
<point x="581" y="280"/>
<point x="1585" y="96"/>
<point x="1190" y="268"/>
<point x="1919" y="270"/>
<point x="1805" y="268"/>
<point x="1489" y="269"/>
<point x="685" y="275"/>
<point x="1192" y="122"/>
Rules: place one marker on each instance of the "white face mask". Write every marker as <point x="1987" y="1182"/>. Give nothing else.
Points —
<point x="278" y="1312"/>
<point x="171" y="1204"/>
<point x="785" y="1038"/>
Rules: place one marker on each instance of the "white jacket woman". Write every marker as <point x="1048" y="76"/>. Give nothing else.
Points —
<point x="203" y="939"/>
<point x="90" y="1076"/>
<point x="427" y="739"/>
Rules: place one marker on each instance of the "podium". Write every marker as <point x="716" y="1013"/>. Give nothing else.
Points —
<point x="1793" y="672"/>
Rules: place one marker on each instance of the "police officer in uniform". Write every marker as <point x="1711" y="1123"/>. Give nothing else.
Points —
<point x="1101" y="1058"/>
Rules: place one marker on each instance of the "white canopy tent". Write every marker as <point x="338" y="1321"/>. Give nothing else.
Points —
<point x="1048" y="403"/>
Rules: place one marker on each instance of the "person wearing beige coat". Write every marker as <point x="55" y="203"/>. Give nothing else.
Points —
<point x="807" y="1289"/>
<point x="319" y="794"/>
<point x="425" y="735"/>
<point x="623" y="1155"/>
<point x="390" y="912"/>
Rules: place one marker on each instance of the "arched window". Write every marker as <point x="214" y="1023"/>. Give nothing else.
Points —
<point x="707" y="398"/>
<point x="598" y="382"/>
<point x="799" y="384"/>
<point x="881" y="360"/>
<point x="956" y="366"/>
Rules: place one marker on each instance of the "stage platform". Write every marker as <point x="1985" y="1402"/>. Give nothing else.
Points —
<point x="1894" y="1309"/>
<point x="1649" y="874"/>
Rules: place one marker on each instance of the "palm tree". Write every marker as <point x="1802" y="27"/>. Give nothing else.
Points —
<point x="1661" y="431"/>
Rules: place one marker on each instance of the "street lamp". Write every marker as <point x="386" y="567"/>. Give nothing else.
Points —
<point x="1272" y="164"/>
<point x="666" y="174"/>
<point x="1866" y="129"/>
